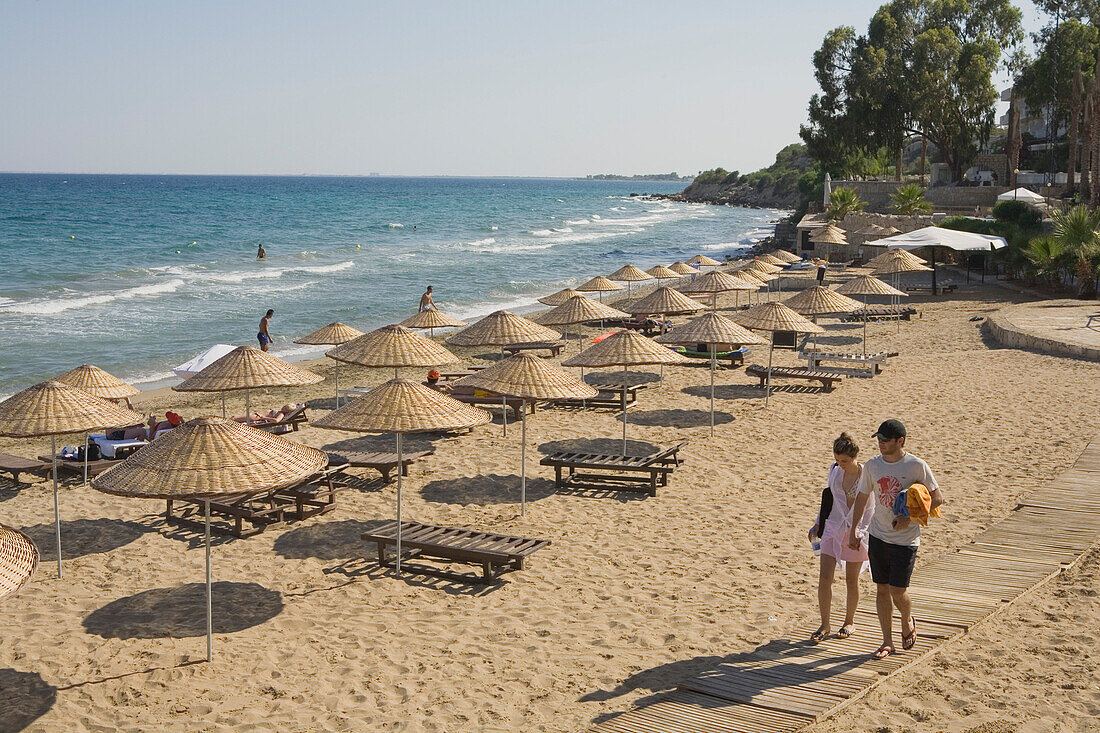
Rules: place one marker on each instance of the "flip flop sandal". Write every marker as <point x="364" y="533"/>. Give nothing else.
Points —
<point x="884" y="651"/>
<point x="818" y="636"/>
<point x="908" y="641"/>
<point x="844" y="632"/>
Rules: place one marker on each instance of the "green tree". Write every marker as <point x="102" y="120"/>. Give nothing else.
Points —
<point x="909" y="200"/>
<point x="1047" y="82"/>
<point x="1076" y="231"/>
<point x="842" y="201"/>
<point x="1047" y="257"/>
<point x="924" y="67"/>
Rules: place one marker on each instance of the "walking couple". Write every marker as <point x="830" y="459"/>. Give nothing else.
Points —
<point x="884" y="536"/>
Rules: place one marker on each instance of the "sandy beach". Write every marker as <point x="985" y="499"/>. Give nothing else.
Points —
<point x="633" y="594"/>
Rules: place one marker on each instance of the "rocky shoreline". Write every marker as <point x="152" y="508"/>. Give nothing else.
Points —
<point x="736" y="195"/>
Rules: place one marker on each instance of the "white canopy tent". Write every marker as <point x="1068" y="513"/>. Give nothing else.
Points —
<point x="1022" y="194"/>
<point x="194" y="366"/>
<point x="933" y="237"/>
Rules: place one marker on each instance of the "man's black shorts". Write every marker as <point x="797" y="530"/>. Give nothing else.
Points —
<point x="891" y="564"/>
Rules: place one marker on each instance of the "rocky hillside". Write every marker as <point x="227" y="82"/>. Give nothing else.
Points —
<point x="738" y="194"/>
<point x="785" y="184"/>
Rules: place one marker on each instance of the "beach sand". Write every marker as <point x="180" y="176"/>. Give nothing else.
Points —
<point x="634" y="594"/>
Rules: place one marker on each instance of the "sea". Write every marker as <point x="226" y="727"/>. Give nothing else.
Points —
<point x="138" y="273"/>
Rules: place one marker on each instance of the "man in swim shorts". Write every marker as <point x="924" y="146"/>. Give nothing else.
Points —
<point x="264" y="336"/>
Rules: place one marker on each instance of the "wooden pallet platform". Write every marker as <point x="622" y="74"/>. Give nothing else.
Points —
<point x="786" y="688"/>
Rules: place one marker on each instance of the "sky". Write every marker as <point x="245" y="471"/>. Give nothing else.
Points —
<point x="511" y="88"/>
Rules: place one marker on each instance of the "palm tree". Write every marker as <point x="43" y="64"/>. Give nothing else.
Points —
<point x="1047" y="256"/>
<point x="1076" y="230"/>
<point x="909" y="200"/>
<point x="843" y="201"/>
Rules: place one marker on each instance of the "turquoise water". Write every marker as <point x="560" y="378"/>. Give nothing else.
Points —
<point x="138" y="273"/>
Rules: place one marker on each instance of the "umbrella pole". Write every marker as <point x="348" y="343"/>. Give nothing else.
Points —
<point x="87" y="439"/>
<point x="247" y="406"/>
<point x="624" y="410"/>
<point x="337" y="385"/>
<point x="400" y="466"/>
<point x="209" y="592"/>
<point x="771" y="348"/>
<point x="56" y="506"/>
<point x="712" y="360"/>
<point x="223" y="405"/>
<point x="866" y="307"/>
<point x="523" y="464"/>
<point x="504" y="406"/>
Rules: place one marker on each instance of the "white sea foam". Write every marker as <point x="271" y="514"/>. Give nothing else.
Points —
<point x="541" y="232"/>
<point x="60" y="305"/>
<point x="576" y="222"/>
<point x="395" y="225"/>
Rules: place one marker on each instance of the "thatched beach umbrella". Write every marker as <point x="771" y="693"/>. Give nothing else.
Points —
<point x="530" y="378"/>
<point x="625" y="349"/>
<point x="248" y="368"/>
<point x="392" y="347"/>
<point x="629" y="274"/>
<point x="830" y="234"/>
<point x="664" y="301"/>
<point x="663" y="273"/>
<point x="556" y="299"/>
<point x="100" y="383"/>
<point x="703" y="261"/>
<point x="775" y="317"/>
<point x="52" y="409"/>
<point x="894" y="262"/>
<point x="821" y="301"/>
<point x="867" y="285"/>
<point x="333" y="334"/>
<point x="772" y="260"/>
<point x="599" y="284"/>
<point x="402" y="406"/>
<point x="711" y="329"/>
<point x="211" y="458"/>
<point x="579" y="309"/>
<point x="788" y="257"/>
<point x="763" y="270"/>
<point x="890" y="256"/>
<point x="432" y="319"/>
<point x="715" y="282"/>
<point x="683" y="268"/>
<point x="18" y="559"/>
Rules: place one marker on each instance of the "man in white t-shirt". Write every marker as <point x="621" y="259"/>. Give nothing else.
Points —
<point x="893" y="540"/>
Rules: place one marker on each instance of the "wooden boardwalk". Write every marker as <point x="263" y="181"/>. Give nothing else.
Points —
<point x="786" y="686"/>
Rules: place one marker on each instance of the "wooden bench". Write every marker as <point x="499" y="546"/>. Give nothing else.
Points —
<point x="16" y="465"/>
<point x="249" y="515"/>
<point x="940" y="289"/>
<point x="516" y="404"/>
<point x="380" y="461"/>
<point x="554" y="347"/>
<point x="586" y="469"/>
<point x="495" y="553"/>
<point x="879" y="314"/>
<point x="647" y="326"/>
<point x="735" y="358"/>
<point x="69" y="465"/>
<point x="608" y="396"/>
<point x="863" y="365"/>
<point x="1091" y="318"/>
<point x="826" y="378"/>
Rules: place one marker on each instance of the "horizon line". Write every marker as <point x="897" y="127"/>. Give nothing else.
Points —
<point x="342" y="175"/>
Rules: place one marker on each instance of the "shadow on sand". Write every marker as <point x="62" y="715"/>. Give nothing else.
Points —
<point x="24" y="698"/>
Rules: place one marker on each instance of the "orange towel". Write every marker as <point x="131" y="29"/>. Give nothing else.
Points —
<point x="919" y="502"/>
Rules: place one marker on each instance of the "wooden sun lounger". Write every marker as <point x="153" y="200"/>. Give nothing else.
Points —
<point x="554" y="347"/>
<point x="647" y="326"/>
<point x="591" y="469"/>
<point x="941" y="288"/>
<point x="827" y="378"/>
<point x="72" y="466"/>
<point x="495" y="553"/>
<point x="292" y="421"/>
<point x="16" y="465"/>
<point x="383" y="462"/>
<point x="862" y="365"/>
<point x="515" y="404"/>
<point x="609" y="396"/>
<point x="880" y="314"/>
<point x="735" y="358"/>
<point x="253" y="514"/>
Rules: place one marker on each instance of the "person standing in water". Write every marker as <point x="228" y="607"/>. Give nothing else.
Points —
<point x="261" y="253"/>
<point x="264" y="336"/>
<point x="426" y="302"/>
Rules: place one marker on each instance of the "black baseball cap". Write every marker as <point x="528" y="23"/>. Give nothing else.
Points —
<point x="890" y="430"/>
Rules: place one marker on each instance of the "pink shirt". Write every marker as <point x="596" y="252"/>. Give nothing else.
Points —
<point x="838" y="525"/>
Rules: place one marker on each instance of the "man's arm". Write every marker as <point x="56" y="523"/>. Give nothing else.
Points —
<point x="937" y="497"/>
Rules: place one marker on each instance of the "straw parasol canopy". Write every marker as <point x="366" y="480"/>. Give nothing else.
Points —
<point x="246" y="367"/>
<point x="683" y="268"/>
<point x="898" y="265"/>
<point x="402" y="406"/>
<point x="208" y="458"/>
<point x="703" y="261"/>
<point x="432" y="318"/>
<point x="829" y="234"/>
<point x="761" y="267"/>
<point x="788" y="257"/>
<point x="500" y="329"/>
<point x="392" y="347"/>
<point x="867" y="285"/>
<point x="775" y="317"/>
<point x="333" y="334"/>
<point x="819" y="301"/>
<point x="528" y="377"/>
<point x="663" y="273"/>
<point x="599" y="284"/>
<point x="211" y="457"/>
<point x="54" y="408"/>
<point x="18" y="559"/>
<point x="559" y="297"/>
<point x="665" y="300"/>
<point x="890" y="231"/>
<point x="625" y="349"/>
<point x="772" y="260"/>
<point x="871" y="230"/>
<point x="718" y="282"/>
<point x="580" y="309"/>
<point x="629" y="274"/>
<point x="711" y="329"/>
<point x="96" y="381"/>
<point x="896" y="255"/>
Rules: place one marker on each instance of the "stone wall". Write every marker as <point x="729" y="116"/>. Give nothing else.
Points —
<point x="877" y="195"/>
